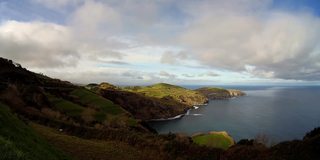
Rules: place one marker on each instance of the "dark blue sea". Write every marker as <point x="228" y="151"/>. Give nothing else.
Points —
<point x="279" y="113"/>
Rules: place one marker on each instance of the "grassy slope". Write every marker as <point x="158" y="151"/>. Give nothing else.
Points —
<point x="84" y="149"/>
<point x="162" y="90"/>
<point x="18" y="141"/>
<point x="89" y="106"/>
<point x="69" y="108"/>
<point x="214" y="89"/>
<point x="216" y="139"/>
<point x="106" y="109"/>
<point x="88" y="98"/>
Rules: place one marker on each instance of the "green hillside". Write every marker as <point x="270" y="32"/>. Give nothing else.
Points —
<point x="19" y="142"/>
<point x="83" y="105"/>
<point x="168" y="91"/>
<point x="214" y="139"/>
<point x="88" y="98"/>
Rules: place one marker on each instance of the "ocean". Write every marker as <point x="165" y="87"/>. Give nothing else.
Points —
<point x="278" y="113"/>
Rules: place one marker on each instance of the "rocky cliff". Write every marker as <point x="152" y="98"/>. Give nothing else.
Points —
<point x="143" y="107"/>
<point x="235" y="93"/>
<point x="159" y="101"/>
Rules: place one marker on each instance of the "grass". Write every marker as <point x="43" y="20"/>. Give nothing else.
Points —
<point x="214" y="139"/>
<point x="107" y="110"/>
<point x="19" y="142"/>
<point x="86" y="97"/>
<point x="213" y="89"/>
<point x="162" y="90"/>
<point x="69" y="108"/>
<point x="104" y="111"/>
<point x="85" y="149"/>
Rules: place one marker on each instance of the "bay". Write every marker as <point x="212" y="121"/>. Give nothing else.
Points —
<point x="280" y="113"/>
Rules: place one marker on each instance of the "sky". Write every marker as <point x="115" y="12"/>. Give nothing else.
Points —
<point x="186" y="42"/>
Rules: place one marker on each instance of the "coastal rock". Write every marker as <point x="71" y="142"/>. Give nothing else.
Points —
<point x="235" y="93"/>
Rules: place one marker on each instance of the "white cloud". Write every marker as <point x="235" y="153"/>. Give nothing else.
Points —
<point x="49" y="45"/>
<point x="188" y="75"/>
<point x="210" y="74"/>
<point x="94" y="18"/>
<point x="279" y="44"/>
<point x="38" y="44"/>
<point x="217" y="35"/>
<point x="173" y="58"/>
<point x="165" y="74"/>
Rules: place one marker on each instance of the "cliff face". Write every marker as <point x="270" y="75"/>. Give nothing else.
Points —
<point x="159" y="101"/>
<point x="235" y="93"/>
<point x="145" y="108"/>
<point x="192" y="100"/>
<point x="219" y="93"/>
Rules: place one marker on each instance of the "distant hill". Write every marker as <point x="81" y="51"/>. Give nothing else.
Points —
<point x="168" y="91"/>
<point x="219" y="93"/>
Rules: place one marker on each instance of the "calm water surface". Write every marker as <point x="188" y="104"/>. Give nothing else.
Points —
<point x="281" y="113"/>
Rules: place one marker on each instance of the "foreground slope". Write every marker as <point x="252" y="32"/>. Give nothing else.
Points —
<point x="87" y="149"/>
<point x="18" y="141"/>
<point x="37" y="96"/>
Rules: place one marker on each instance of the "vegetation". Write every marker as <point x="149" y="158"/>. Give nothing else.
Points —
<point x="219" y="93"/>
<point x="105" y="111"/>
<point x="102" y="130"/>
<point x="89" y="98"/>
<point x="214" y="139"/>
<point x="143" y="107"/>
<point x="86" y="149"/>
<point x="214" y="89"/>
<point x="161" y="90"/>
<point x="168" y="91"/>
<point x="66" y="107"/>
<point x="20" y="142"/>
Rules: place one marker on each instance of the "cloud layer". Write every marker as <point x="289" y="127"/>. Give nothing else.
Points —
<point x="167" y="40"/>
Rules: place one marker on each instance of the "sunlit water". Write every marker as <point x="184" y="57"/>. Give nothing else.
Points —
<point x="280" y="113"/>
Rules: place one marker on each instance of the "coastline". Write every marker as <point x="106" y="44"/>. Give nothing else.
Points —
<point x="180" y="115"/>
<point x="232" y="95"/>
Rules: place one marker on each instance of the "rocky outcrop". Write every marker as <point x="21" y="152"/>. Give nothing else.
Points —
<point x="219" y="93"/>
<point x="235" y="93"/>
<point x="192" y="100"/>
